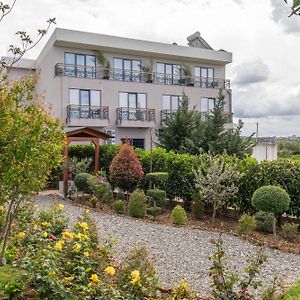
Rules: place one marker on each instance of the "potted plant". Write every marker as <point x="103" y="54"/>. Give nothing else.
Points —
<point x="102" y="60"/>
<point x="187" y="71"/>
<point x="148" y="72"/>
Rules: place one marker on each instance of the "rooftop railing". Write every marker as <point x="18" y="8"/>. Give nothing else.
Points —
<point x="139" y="76"/>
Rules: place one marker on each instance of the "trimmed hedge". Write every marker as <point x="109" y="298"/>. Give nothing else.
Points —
<point x="180" y="167"/>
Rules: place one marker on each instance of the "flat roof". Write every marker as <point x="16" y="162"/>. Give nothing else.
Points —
<point x="93" y="41"/>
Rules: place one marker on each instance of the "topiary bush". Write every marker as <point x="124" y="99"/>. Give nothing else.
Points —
<point x="126" y="170"/>
<point x="101" y="189"/>
<point x="81" y="182"/>
<point x="179" y="215"/>
<point x="119" y="207"/>
<point x="246" y="224"/>
<point x="156" y="177"/>
<point x="290" y="230"/>
<point x="264" y="221"/>
<point x="154" y="211"/>
<point x="137" y="204"/>
<point x="273" y="199"/>
<point x="158" y="196"/>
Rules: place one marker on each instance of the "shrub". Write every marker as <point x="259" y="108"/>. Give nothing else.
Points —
<point x="81" y="182"/>
<point x="126" y="170"/>
<point x="156" y="177"/>
<point x="78" y="166"/>
<point x="290" y="230"/>
<point x="273" y="199"/>
<point x="246" y="224"/>
<point x="264" y="221"/>
<point x="2" y="216"/>
<point x="154" y="211"/>
<point x="119" y="207"/>
<point x="137" y="204"/>
<point x="179" y="215"/>
<point x="101" y="189"/>
<point x="158" y="196"/>
<point x="198" y="207"/>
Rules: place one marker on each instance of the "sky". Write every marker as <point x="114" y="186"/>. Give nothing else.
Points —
<point x="265" y="42"/>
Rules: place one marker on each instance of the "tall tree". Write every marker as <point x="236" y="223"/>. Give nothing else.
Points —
<point x="182" y="130"/>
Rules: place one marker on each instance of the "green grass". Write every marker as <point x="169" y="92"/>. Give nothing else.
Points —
<point x="293" y="293"/>
<point x="7" y="273"/>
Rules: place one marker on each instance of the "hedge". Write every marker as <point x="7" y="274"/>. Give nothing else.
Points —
<point x="180" y="167"/>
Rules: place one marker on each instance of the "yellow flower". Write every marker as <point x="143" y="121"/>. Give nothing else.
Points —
<point x="94" y="278"/>
<point x="135" y="277"/>
<point x="67" y="235"/>
<point x="84" y="226"/>
<point x="46" y="224"/>
<point x="86" y="254"/>
<point x="77" y="248"/>
<point x="79" y="236"/>
<point x="45" y="234"/>
<point x="60" y="206"/>
<point x="87" y="211"/>
<point x="21" y="234"/>
<point x="90" y="284"/>
<point x="110" y="271"/>
<point x="58" y="246"/>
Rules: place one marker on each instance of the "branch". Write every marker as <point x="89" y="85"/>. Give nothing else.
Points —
<point x="6" y="9"/>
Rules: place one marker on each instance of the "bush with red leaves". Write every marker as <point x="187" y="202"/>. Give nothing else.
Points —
<point x="125" y="169"/>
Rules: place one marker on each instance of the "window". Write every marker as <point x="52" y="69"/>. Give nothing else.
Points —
<point x="167" y="73"/>
<point x="204" y="77"/>
<point x="207" y="104"/>
<point x="127" y="69"/>
<point x="84" y="97"/>
<point x="80" y="65"/>
<point x="171" y="102"/>
<point x="132" y="100"/>
<point x="137" y="143"/>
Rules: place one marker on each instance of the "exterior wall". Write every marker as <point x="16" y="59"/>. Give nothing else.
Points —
<point x="263" y="151"/>
<point x="55" y="89"/>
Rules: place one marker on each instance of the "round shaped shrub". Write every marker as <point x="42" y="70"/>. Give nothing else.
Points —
<point x="119" y="207"/>
<point x="272" y="199"/>
<point x="290" y="230"/>
<point x="246" y="224"/>
<point x="154" y="211"/>
<point x="137" y="204"/>
<point x="264" y="221"/>
<point x="179" y="215"/>
<point x="159" y="196"/>
<point x="156" y="177"/>
<point x="81" y="182"/>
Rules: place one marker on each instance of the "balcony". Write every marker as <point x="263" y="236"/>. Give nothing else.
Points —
<point x="135" y="117"/>
<point x="139" y="76"/>
<point x="85" y="115"/>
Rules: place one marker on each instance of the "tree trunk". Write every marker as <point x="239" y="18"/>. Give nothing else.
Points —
<point x="5" y="240"/>
<point x="274" y="229"/>
<point x="214" y="215"/>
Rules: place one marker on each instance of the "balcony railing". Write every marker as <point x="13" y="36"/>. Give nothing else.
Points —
<point x="139" y="76"/>
<point x="87" y="112"/>
<point x="166" y="113"/>
<point x="135" y="114"/>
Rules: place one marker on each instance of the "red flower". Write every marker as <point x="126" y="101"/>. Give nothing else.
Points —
<point x="37" y="193"/>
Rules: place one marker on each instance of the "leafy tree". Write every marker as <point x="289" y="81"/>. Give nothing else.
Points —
<point x="295" y="7"/>
<point x="220" y="140"/>
<point x="125" y="169"/>
<point x="217" y="182"/>
<point x="182" y="130"/>
<point x="31" y="143"/>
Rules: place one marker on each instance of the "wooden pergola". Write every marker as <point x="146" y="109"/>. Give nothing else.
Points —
<point x="83" y="134"/>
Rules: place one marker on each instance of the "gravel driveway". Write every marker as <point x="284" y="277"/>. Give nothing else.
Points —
<point x="180" y="252"/>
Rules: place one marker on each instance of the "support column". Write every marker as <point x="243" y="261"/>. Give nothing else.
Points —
<point x="66" y="169"/>
<point x="97" y="154"/>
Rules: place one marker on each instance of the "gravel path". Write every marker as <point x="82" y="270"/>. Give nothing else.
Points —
<point x="180" y="252"/>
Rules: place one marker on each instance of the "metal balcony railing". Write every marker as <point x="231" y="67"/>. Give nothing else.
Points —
<point x="139" y="76"/>
<point x="135" y="114"/>
<point x="87" y="112"/>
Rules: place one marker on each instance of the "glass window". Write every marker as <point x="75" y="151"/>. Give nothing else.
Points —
<point x="204" y="76"/>
<point x="80" y="60"/>
<point x="166" y="102"/>
<point x="207" y="104"/>
<point x="84" y="97"/>
<point x="70" y="59"/>
<point x="123" y="101"/>
<point x="118" y="63"/>
<point x="168" y="73"/>
<point x="132" y="100"/>
<point x="127" y="69"/>
<point x="91" y="60"/>
<point x="95" y="98"/>
<point x="74" y="96"/>
<point x="142" y="101"/>
<point x="174" y="103"/>
<point x="171" y="102"/>
<point x="138" y="143"/>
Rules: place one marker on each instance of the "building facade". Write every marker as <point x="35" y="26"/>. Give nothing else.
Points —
<point x="126" y="87"/>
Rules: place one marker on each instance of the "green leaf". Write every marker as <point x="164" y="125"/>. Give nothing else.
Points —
<point x="296" y="3"/>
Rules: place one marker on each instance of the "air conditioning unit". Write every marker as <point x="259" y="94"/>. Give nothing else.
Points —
<point x="112" y="140"/>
